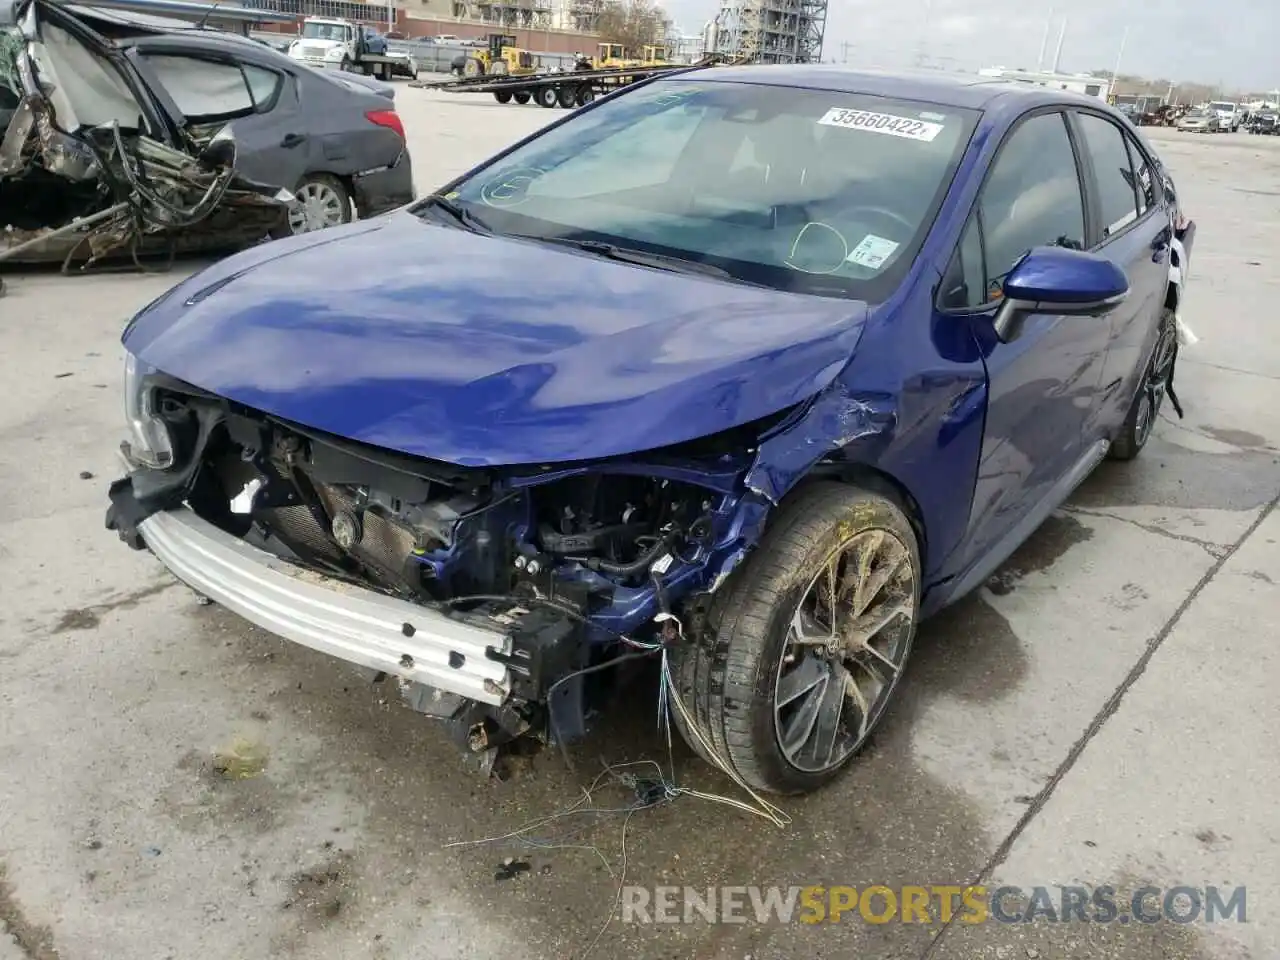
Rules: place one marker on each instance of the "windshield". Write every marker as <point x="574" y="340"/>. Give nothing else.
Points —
<point x="1223" y="107"/>
<point x="324" y="31"/>
<point x="803" y="190"/>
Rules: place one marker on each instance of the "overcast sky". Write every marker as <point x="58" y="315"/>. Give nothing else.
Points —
<point x="1229" y="42"/>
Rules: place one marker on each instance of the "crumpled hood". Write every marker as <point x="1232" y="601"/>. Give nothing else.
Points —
<point x="484" y="351"/>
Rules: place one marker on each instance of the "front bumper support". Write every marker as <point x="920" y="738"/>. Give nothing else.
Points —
<point x="346" y="621"/>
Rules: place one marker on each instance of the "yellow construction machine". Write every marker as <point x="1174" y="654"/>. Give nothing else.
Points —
<point x="502" y="58"/>
<point x="613" y="55"/>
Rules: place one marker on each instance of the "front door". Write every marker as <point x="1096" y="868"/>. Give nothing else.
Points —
<point x="1042" y="386"/>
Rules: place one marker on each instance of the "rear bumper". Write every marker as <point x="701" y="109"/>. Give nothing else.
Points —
<point x="346" y="621"/>
<point x="381" y="190"/>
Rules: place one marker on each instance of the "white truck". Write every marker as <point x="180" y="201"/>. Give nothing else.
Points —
<point x="333" y="44"/>
<point x="1229" y="115"/>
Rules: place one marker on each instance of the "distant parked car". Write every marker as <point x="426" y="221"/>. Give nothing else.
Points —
<point x="1200" y="121"/>
<point x="1266" y="123"/>
<point x="1229" y="115"/>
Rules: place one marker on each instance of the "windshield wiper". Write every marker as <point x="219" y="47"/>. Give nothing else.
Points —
<point x="642" y="258"/>
<point x="456" y="211"/>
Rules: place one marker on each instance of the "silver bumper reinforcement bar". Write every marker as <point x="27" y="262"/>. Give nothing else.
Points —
<point x="348" y="622"/>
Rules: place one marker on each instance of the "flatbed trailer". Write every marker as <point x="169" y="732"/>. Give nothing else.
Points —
<point x="565" y="89"/>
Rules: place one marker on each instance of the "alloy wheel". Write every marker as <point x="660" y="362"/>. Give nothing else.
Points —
<point x="315" y="207"/>
<point x="1157" y="383"/>
<point x="846" y="645"/>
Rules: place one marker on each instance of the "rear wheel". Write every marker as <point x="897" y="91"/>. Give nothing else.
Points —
<point x="1136" y="431"/>
<point x="546" y="96"/>
<point x="521" y="96"/>
<point x="320" y="201"/>
<point x="802" y="649"/>
<point x="567" y="97"/>
<point x="502" y="96"/>
<point x="585" y="94"/>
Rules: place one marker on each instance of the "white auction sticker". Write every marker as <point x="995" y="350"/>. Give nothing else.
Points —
<point x="873" y="251"/>
<point x="881" y="123"/>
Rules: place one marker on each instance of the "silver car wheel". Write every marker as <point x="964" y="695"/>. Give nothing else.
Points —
<point x="316" y="206"/>
<point x="848" y="641"/>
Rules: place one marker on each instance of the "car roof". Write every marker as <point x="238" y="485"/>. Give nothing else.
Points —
<point x="966" y="90"/>
<point x="207" y="40"/>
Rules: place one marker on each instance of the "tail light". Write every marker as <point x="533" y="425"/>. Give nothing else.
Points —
<point x="386" y="118"/>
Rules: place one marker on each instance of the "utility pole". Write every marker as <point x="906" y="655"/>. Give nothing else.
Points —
<point x="924" y="32"/>
<point x="844" y="51"/>
<point x="1057" y="54"/>
<point x="1044" y="40"/>
<point x="1115" y="73"/>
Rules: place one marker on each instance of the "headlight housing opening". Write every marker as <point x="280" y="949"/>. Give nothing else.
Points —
<point x="149" y="443"/>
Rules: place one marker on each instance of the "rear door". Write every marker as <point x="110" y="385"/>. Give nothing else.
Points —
<point x="1134" y="229"/>
<point x="213" y="89"/>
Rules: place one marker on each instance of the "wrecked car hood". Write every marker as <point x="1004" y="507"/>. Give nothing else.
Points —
<point x="485" y="351"/>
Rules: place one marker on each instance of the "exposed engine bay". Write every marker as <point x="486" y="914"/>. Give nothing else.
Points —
<point x="88" y="167"/>
<point x="571" y="562"/>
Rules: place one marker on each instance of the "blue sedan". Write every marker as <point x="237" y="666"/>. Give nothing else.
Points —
<point x="745" y="369"/>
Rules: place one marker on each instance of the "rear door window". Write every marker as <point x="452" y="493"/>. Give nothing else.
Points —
<point x="1113" y="173"/>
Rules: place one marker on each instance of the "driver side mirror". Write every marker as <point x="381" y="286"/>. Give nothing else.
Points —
<point x="1056" y="280"/>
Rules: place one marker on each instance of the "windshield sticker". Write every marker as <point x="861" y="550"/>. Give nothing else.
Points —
<point x="881" y="123"/>
<point x="926" y="115"/>
<point x="873" y="251"/>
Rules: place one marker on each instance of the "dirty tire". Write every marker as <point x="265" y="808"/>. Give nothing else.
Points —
<point x="727" y="677"/>
<point x="345" y="65"/>
<point x="585" y="95"/>
<point x="521" y="96"/>
<point x="1149" y="400"/>
<point x="502" y="96"/>
<point x="567" y="97"/>
<point x="547" y="96"/>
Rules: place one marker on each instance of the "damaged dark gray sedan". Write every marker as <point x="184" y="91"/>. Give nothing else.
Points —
<point x="123" y="138"/>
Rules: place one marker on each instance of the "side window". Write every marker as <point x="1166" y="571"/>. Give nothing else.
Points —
<point x="264" y="86"/>
<point x="209" y="90"/>
<point x="1105" y="143"/>
<point x="1031" y="198"/>
<point x="1147" y="186"/>
<point x="965" y="282"/>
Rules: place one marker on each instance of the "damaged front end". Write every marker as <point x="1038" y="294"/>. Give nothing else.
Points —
<point x="91" y="168"/>
<point x="486" y="592"/>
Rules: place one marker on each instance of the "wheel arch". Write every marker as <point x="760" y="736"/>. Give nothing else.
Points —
<point x="876" y="480"/>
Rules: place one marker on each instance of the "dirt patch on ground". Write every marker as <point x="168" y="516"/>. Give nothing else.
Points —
<point x="33" y="939"/>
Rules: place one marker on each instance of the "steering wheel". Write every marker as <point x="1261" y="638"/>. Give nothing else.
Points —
<point x="884" y="213"/>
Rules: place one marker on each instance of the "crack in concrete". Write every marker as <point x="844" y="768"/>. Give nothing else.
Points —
<point x="1105" y="713"/>
<point x="1215" y="550"/>
<point x="1223" y="366"/>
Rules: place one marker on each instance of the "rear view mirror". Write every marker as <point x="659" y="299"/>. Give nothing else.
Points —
<point x="1059" y="281"/>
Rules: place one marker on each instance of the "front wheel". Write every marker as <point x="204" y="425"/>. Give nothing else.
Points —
<point x="521" y="97"/>
<point x="547" y="96"/>
<point x="1155" y="384"/>
<point x="502" y="96"/>
<point x="586" y="93"/>
<point x="802" y="650"/>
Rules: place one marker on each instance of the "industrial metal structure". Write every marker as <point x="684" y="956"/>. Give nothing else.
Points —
<point x="770" y="31"/>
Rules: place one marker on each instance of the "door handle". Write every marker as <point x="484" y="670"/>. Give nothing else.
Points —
<point x="292" y="140"/>
<point x="1160" y="244"/>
